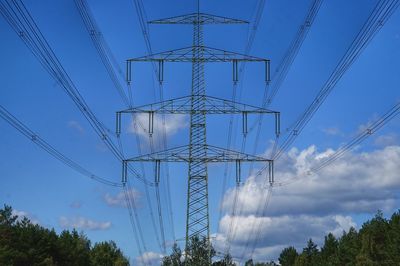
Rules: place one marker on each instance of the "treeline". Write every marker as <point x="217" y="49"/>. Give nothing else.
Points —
<point x="24" y="243"/>
<point x="376" y="243"/>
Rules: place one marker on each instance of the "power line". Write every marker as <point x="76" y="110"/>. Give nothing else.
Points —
<point x="141" y="12"/>
<point x="378" y="17"/>
<point x="102" y="48"/>
<point x="285" y="64"/>
<point x="381" y="13"/>
<point x="250" y="40"/>
<point x="24" y="25"/>
<point x="35" y="138"/>
<point x="107" y="57"/>
<point x="359" y="138"/>
<point x="281" y="73"/>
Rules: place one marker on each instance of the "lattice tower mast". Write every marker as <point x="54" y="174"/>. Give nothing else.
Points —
<point x="198" y="153"/>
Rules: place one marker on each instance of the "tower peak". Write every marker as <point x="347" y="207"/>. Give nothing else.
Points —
<point x="198" y="18"/>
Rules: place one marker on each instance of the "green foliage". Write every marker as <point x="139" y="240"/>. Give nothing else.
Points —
<point x="175" y="259"/>
<point x="226" y="261"/>
<point x="288" y="256"/>
<point x="310" y="255"/>
<point x="376" y="244"/>
<point x="24" y="243"/>
<point x="249" y="263"/>
<point x="329" y="252"/>
<point x="107" y="253"/>
<point x="349" y="247"/>
<point x="198" y="251"/>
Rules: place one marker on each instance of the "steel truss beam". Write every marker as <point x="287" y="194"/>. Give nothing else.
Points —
<point x="211" y="55"/>
<point x="214" y="155"/>
<point x="213" y="105"/>
<point x="202" y="18"/>
<point x="208" y="55"/>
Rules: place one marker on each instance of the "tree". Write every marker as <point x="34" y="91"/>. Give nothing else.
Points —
<point x="7" y="239"/>
<point x="107" y="253"/>
<point x="198" y="251"/>
<point x="226" y="261"/>
<point x="309" y="256"/>
<point x="249" y="263"/>
<point x="375" y="242"/>
<point x="329" y="252"/>
<point x="75" y="248"/>
<point x="288" y="256"/>
<point x="7" y="219"/>
<point x="349" y="247"/>
<point x="394" y="225"/>
<point x="175" y="259"/>
<point x="24" y="243"/>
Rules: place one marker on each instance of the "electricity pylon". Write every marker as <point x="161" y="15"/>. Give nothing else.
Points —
<point x="198" y="153"/>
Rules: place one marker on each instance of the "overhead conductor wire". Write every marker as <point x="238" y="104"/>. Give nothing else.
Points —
<point x="376" y="20"/>
<point x="281" y="73"/>
<point x="141" y="12"/>
<point x="23" y="24"/>
<point x="35" y="138"/>
<point x="107" y="57"/>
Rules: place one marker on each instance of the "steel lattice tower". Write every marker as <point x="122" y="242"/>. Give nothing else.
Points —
<point x="198" y="153"/>
<point x="197" y="220"/>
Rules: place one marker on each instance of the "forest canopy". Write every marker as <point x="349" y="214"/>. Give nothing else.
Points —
<point x="25" y="243"/>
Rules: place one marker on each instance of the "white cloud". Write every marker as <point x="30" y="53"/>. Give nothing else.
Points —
<point x="273" y="233"/>
<point x="76" y="204"/>
<point x="364" y="127"/>
<point x="173" y="123"/>
<point x="118" y="200"/>
<point x="83" y="223"/>
<point x="332" y="131"/>
<point x="386" y="140"/>
<point x="22" y="214"/>
<point x="76" y="126"/>
<point x="149" y="258"/>
<point x="357" y="183"/>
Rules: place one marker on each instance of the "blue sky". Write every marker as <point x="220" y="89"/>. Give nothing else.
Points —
<point x="365" y="180"/>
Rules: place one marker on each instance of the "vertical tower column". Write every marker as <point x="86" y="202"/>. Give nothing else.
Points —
<point x="197" y="222"/>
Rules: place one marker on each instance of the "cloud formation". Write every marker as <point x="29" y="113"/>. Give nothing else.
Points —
<point x="83" y="223"/>
<point x="76" y="204"/>
<point x="332" y="131"/>
<point x="118" y="200"/>
<point x="173" y="123"/>
<point x="76" y="126"/>
<point x="312" y="205"/>
<point x="149" y="259"/>
<point x="22" y="214"/>
<point x="386" y="140"/>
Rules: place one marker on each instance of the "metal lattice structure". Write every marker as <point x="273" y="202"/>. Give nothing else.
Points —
<point x="197" y="154"/>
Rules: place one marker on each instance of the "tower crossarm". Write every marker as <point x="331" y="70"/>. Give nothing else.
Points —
<point x="214" y="155"/>
<point x="209" y="55"/>
<point x="213" y="105"/>
<point x="182" y="105"/>
<point x="202" y="18"/>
